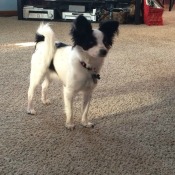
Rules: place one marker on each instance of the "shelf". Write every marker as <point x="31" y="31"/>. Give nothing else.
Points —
<point x="63" y="6"/>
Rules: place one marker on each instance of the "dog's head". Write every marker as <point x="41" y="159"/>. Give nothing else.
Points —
<point x="95" y="42"/>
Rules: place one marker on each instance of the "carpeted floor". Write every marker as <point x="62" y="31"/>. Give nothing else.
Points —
<point x="133" y="107"/>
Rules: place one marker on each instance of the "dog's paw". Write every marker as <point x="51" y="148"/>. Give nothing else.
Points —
<point x="31" y="111"/>
<point x="88" y="124"/>
<point x="46" y="102"/>
<point x="70" y="126"/>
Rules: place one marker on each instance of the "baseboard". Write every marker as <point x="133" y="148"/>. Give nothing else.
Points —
<point x="8" y="13"/>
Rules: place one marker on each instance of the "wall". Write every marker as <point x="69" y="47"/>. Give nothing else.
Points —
<point x="8" y="5"/>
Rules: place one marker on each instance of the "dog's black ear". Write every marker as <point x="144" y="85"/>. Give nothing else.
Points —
<point x="109" y="28"/>
<point x="81" y="27"/>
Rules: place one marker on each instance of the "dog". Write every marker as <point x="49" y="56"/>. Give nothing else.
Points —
<point x="77" y="66"/>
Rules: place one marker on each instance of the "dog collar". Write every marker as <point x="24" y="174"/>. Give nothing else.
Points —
<point x="94" y="74"/>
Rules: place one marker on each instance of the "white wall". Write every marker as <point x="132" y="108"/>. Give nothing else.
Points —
<point x="8" y="5"/>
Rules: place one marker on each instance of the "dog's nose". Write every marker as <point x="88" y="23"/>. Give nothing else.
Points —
<point x="102" y="52"/>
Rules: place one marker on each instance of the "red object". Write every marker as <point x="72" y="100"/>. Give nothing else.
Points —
<point x="152" y="15"/>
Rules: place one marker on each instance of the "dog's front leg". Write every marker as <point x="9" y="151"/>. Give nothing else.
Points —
<point x="68" y="101"/>
<point x="86" y="102"/>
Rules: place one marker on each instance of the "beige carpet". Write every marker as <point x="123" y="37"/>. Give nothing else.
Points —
<point x="133" y="107"/>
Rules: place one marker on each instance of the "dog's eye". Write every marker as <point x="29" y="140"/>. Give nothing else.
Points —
<point x="106" y="43"/>
<point x="91" y="43"/>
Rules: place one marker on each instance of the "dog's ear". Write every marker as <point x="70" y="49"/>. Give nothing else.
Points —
<point x="109" y="29"/>
<point x="81" y="27"/>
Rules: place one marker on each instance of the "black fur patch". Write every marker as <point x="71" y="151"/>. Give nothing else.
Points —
<point x="39" y="38"/>
<point x="109" y="29"/>
<point x="59" y="45"/>
<point x="82" y="33"/>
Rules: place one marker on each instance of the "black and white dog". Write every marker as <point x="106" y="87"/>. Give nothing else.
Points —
<point x="77" y="66"/>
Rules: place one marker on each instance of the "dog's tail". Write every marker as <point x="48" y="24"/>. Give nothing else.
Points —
<point x="46" y="35"/>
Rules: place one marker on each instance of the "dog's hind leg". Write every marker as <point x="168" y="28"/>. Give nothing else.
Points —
<point x="86" y="102"/>
<point x="34" y="81"/>
<point x="68" y="101"/>
<point x="45" y="86"/>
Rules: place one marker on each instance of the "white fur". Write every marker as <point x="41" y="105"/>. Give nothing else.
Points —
<point x="74" y="76"/>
